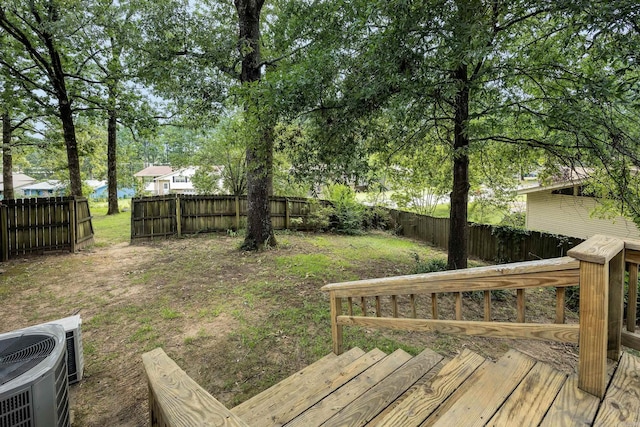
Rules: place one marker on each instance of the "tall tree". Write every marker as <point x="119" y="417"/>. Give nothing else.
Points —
<point x="35" y="27"/>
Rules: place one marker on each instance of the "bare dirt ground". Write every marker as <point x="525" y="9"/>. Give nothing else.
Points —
<point x="235" y="322"/>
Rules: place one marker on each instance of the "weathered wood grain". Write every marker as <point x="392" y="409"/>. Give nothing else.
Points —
<point x="631" y="340"/>
<point x="530" y="401"/>
<point x="178" y="400"/>
<point x="476" y="401"/>
<point x="597" y="249"/>
<point x="621" y="405"/>
<point x="616" y="305"/>
<point x="313" y="372"/>
<point x="571" y="407"/>
<point x="289" y="402"/>
<point x="594" y="307"/>
<point x="336" y="401"/>
<point x="413" y="410"/>
<point x="560" y="302"/>
<point x="368" y="405"/>
<point x="632" y="300"/>
<point x="555" y="272"/>
<point x="541" y="331"/>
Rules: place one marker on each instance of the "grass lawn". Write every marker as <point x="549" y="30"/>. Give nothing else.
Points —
<point x="236" y="322"/>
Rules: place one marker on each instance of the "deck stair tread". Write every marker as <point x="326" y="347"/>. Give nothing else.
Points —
<point x="275" y="405"/>
<point x="333" y="403"/>
<point x="367" y="406"/>
<point x="572" y="406"/>
<point x="529" y="402"/>
<point x="330" y="361"/>
<point x="418" y="405"/>
<point x="621" y="404"/>
<point x="479" y="398"/>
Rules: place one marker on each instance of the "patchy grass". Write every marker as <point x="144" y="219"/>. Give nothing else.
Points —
<point x="236" y="322"/>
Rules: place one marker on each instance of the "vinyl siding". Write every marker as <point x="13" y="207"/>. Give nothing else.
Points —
<point x="571" y="216"/>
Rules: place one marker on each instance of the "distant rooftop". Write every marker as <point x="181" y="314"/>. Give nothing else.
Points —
<point x="154" y="171"/>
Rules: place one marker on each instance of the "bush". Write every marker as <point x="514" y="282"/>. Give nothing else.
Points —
<point x="429" y="266"/>
<point x="348" y="214"/>
<point x="376" y="217"/>
<point x="319" y="217"/>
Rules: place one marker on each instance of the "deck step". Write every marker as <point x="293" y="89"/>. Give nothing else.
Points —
<point x="418" y="405"/>
<point x="287" y="399"/>
<point x="368" y="405"/>
<point x="335" y="402"/>
<point x="621" y="404"/>
<point x="476" y="401"/>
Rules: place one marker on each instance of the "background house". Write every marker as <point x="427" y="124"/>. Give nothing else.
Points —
<point x="20" y="180"/>
<point x="43" y="189"/>
<point x="176" y="182"/>
<point x="564" y="207"/>
<point x="146" y="176"/>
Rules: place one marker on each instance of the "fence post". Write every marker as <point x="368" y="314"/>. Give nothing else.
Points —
<point x="286" y="213"/>
<point x="237" y="213"/>
<point x="72" y="225"/>
<point x="178" y="216"/>
<point x="598" y="268"/>
<point x="4" y="234"/>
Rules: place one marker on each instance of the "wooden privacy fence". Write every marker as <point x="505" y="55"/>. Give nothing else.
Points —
<point x="175" y="215"/>
<point x="487" y="242"/>
<point x="35" y="226"/>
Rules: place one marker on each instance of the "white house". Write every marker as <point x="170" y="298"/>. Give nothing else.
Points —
<point x="564" y="207"/>
<point x="175" y="182"/>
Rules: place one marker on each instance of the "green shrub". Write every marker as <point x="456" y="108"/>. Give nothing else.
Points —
<point x="429" y="266"/>
<point x="348" y="214"/>
<point x="319" y="217"/>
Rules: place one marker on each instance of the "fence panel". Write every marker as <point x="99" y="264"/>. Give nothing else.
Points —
<point x="40" y="225"/>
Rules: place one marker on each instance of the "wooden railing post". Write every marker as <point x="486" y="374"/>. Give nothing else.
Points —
<point x="336" y="330"/>
<point x="600" y="261"/>
<point x="616" y="306"/>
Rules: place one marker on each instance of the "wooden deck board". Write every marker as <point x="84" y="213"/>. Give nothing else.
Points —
<point x="256" y="409"/>
<point x="373" y="401"/>
<point x="621" y="404"/>
<point x="422" y="402"/>
<point x="476" y="401"/>
<point x="571" y="407"/>
<point x="530" y="401"/>
<point x="289" y="403"/>
<point x="330" y="405"/>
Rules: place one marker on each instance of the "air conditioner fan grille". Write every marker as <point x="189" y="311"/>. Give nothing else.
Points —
<point x="20" y="354"/>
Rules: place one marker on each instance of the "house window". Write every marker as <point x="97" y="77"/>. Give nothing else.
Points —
<point x="165" y="185"/>
<point x="179" y="178"/>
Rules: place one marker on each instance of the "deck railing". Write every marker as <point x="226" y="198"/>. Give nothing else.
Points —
<point x="597" y="266"/>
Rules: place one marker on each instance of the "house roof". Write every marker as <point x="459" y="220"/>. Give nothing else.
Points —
<point x="568" y="178"/>
<point x="188" y="171"/>
<point x="19" y="180"/>
<point x="44" y="185"/>
<point x="154" y="171"/>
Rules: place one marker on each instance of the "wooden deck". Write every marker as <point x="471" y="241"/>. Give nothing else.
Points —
<point x="376" y="389"/>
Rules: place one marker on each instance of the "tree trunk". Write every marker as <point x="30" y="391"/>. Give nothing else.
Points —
<point x="112" y="175"/>
<point x="458" y="226"/>
<point x="259" y="151"/>
<point x="73" y="160"/>
<point x="7" y="158"/>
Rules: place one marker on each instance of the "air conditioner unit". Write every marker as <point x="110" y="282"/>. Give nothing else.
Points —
<point x="75" y="357"/>
<point x="34" y="391"/>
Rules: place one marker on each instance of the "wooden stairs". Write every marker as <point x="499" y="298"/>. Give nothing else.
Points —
<point x="376" y="389"/>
